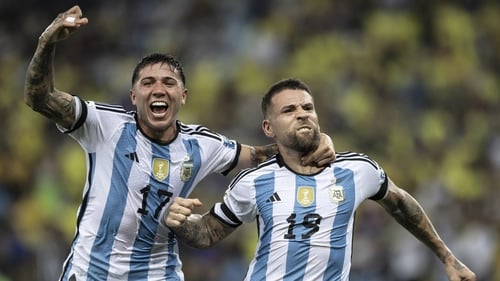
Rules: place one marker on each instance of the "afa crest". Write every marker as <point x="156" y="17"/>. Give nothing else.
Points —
<point x="305" y="195"/>
<point x="336" y="194"/>
<point x="187" y="168"/>
<point x="160" y="168"/>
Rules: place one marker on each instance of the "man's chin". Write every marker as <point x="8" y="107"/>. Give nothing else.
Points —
<point x="157" y="126"/>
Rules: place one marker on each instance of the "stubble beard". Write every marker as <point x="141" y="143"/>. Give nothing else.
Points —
<point x="304" y="143"/>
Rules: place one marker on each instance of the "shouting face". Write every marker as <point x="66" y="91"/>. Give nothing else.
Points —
<point x="292" y="121"/>
<point x="158" y="95"/>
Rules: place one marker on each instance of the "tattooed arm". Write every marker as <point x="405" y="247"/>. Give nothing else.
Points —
<point x="39" y="90"/>
<point x="251" y="156"/>
<point x="408" y="213"/>
<point x="199" y="231"/>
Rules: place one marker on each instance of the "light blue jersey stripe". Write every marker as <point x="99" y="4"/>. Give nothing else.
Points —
<point x="170" y="273"/>
<point x="155" y="193"/>
<point x="114" y="208"/>
<point x="299" y="245"/>
<point x="340" y="225"/>
<point x="264" y="187"/>
<point x="193" y="150"/>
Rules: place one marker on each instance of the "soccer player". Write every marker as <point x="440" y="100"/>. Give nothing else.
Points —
<point x="137" y="161"/>
<point x="304" y="214"/>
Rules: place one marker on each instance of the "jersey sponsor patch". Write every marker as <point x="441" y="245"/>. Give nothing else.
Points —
<point x="305" y="195"/>
<point x="160" y="168"/>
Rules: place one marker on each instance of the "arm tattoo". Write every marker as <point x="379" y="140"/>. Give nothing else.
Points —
<point x="38" y="83"/>
<point x="408" y="212"/>
<point x="262" y="153"/>
<point x="39" y="91"/>
<point x="204" y="232"/>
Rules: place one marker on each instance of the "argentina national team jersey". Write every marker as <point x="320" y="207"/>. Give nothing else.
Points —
<point x="130" y="183"/>
<point x="305" y="222"/>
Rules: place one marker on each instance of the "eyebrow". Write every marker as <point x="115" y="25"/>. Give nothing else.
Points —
<point x="161" y="78"/>
<point x="306" y="104"/>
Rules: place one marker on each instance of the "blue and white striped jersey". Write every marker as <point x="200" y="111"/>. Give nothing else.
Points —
<point x="305" y="222"/>
<point x="130" y="181"/>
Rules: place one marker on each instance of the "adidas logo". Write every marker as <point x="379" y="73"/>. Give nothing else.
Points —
<point x="132" y="156"/>
<point x="275" y="197"/>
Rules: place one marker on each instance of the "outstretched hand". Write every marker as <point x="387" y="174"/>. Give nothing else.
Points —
<point x="180" y="210"/>
<point x="63" y="25"/>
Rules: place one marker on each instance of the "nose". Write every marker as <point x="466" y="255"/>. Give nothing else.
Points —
<point x="302" y="114"/>
<point x="158" y="88"/>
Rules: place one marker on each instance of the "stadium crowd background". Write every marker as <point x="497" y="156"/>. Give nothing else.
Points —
<point x="413" y="84"/>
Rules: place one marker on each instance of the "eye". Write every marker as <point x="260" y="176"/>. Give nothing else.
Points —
<point x="147" y="82"/>
<point x="287" y="109"/>
<point x="170" y="82"/>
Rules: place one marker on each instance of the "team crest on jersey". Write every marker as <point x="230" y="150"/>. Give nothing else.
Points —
<point x="160" y="168"/>
<point x="305" y="195"/>
<point x="186" y="168"/>
<point x="336" y="194"/>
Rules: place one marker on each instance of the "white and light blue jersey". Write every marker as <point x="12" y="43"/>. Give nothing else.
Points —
<point x="305" y="222"/>
<point x="130" y="183"/>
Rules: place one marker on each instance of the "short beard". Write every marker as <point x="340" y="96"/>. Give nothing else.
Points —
<point x="304" y="145"/>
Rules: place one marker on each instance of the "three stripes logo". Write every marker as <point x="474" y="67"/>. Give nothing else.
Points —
<point x="275" y="197"/>
<point x="132" y="156"/>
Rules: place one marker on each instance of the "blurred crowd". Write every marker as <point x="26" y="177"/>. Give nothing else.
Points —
<point x="413" y="84"/>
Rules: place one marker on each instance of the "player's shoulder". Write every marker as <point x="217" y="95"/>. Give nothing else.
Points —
<point x="249" y="174"/>
<point x="108" y="108"/>
<point x="198" y="131"/>
<point x="354" y="158"/>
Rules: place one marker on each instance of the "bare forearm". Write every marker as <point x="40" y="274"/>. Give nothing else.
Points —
<point x="412" y="217"/>
<point x="39" y="76"/>
<point x="39" y="91"/>
<point x="261" y="153"/>
<point x="252" y="156"/>
<point x="408" y="212"/>
<point x="202" y="231"/>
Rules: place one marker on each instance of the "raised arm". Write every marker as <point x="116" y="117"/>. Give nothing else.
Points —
<point x="198" y="231"/>
<point x="39" y="90"/>
<point x="408" y="213"/>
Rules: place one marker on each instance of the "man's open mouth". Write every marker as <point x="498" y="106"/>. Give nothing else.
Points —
<point x="159" y="107"/>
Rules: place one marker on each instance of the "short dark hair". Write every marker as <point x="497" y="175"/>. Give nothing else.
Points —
<point x="159" y="58"/>
<point x="288" y="83"/>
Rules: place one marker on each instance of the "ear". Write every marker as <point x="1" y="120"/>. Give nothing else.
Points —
<point x="184" y="96"/>
<point x="132" y="96"/>
<point x="268" y="130"/>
